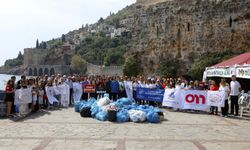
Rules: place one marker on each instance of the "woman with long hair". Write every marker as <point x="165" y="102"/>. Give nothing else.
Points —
<point x="9" y="97"/>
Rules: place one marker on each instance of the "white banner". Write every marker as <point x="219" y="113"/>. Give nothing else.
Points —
<point x="129" y="89"/>
<point x="77" y="91"/>
<point x="216" y="98"/>
<point x="193" y="99"/>
<point x="243" y="72"/>
<point x="23" y="96"/>
<point x="219" y="72"/>
<point x="171" y="98"/>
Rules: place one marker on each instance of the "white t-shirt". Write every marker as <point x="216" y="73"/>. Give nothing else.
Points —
<point x="234" y="85"/>
<point x="225" y="89"/>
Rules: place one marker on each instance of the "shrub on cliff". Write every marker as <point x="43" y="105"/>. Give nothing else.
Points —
<point x="14" y="62"/>
<point x="132" y="66"/>
<point x="78" y="65"/>
<point x="169" y="68"/>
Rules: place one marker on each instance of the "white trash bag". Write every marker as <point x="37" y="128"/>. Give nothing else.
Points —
<point x="137" y="115"/>
<point x="103" y="101"/>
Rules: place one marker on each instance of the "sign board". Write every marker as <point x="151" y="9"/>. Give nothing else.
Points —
<point x="243" y="72"/>
<point x="89" y="88"/>
<point x="219" y="72"/>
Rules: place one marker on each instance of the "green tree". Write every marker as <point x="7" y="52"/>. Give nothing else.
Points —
<point x="37" y="43"/>
<point x="78" y="65"/>
<point x="132" y="67"/>
<point x="169" y="68"/>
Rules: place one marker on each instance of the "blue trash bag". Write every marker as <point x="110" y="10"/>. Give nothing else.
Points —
<point x="102" y="116"/>
<point x="129" y="107"/>
<point x="125" y="101"/>
<point x="90" y="102"/>
<point x="122" y="116"/>
<point x="117" y="104"/>
<point x="145" y="108"/>
<point x="76" y="105"/>
<point x="94" y="110"/>
<point x="82" y="104"/>
<point x="153" y="117"/>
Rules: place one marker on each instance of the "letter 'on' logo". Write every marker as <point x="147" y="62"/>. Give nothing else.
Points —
<point x="191" y="98"/>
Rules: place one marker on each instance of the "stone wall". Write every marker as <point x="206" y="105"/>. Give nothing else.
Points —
<point x="33" y="56"/>
<point x="186" y="30"/>
<point x="107" y="70"/>
<point x="38" y="70"/>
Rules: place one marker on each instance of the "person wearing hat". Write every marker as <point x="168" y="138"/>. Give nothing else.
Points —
<point x="235" y="88"/>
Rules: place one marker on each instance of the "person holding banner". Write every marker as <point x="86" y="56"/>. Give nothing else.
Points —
<point x="235" y="91"/>
<point x="214" y="87"/>
<point x="224" y="87"/>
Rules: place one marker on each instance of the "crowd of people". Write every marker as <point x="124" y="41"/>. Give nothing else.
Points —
<point x="114" y="86"/>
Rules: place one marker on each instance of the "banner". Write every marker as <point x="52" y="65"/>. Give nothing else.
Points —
<point x="150" y="94"/>
<point x="89" y="88"/>
<point x="171" y="98"/>
<point x="243" y="72"/>
<point x="129" y="89"/>
<point x="216" y="98"/>
<point x="23" y="96"/>
<point x="219" y="72"/>
<point x="193" y="99"/>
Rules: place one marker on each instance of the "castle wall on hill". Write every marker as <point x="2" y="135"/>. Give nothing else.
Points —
<point x="33" y="56"/>
<point x="186" y="30"/>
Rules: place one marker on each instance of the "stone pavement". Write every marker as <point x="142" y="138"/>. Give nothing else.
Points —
<point x="66" y="130"/>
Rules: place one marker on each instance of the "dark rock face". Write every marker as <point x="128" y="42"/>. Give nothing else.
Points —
<point x="188" y="29"/>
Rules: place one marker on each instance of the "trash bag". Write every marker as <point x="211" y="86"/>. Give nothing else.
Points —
<point x="117" y="104"/>
<point x="153" y="117"/>
<point x="94" y="110"/>
<point x="90" y="102"/>
<point x="122" y="116"/>
<point x="137" y="115"/>
<point x="125" y="101"/>
<point x="145" y="108"/>
<point x="106" y="95"/>
<point x="112" y="115"/>
<point x="76" y="105"/>
<point x="82" y="105"/>
<point x="102" y="116"/>
<point x="103" y="101"/>
<point x="85" y="112"/>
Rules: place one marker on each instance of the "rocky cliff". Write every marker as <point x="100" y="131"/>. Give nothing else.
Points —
<point x="187" y="29"/>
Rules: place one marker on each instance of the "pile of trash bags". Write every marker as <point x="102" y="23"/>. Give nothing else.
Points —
<point x="123" y="110"/>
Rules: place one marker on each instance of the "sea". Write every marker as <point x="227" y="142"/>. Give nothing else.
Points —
<point x="4" y="79"/>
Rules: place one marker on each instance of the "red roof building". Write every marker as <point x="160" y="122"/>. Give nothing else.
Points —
<point x="237" y="60"/>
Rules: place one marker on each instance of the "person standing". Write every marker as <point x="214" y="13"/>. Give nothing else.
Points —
<point x="224" y="87"/>
<point x="214" y="87"/>
<point x="9" y="97"/>
<point x="114" y="89"/>
<point x="235" y="88"/>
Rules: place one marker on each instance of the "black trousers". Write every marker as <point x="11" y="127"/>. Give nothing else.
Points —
<point x="214" y="108"/>
<point x="224" y="110"/>
<point x="114" y="96"/>
<point x="234" y="105"/>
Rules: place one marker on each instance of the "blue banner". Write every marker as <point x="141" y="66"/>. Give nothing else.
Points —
<point x="150" y="94"/>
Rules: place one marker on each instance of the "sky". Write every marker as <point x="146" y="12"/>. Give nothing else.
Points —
<point x="25" y="21"/>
